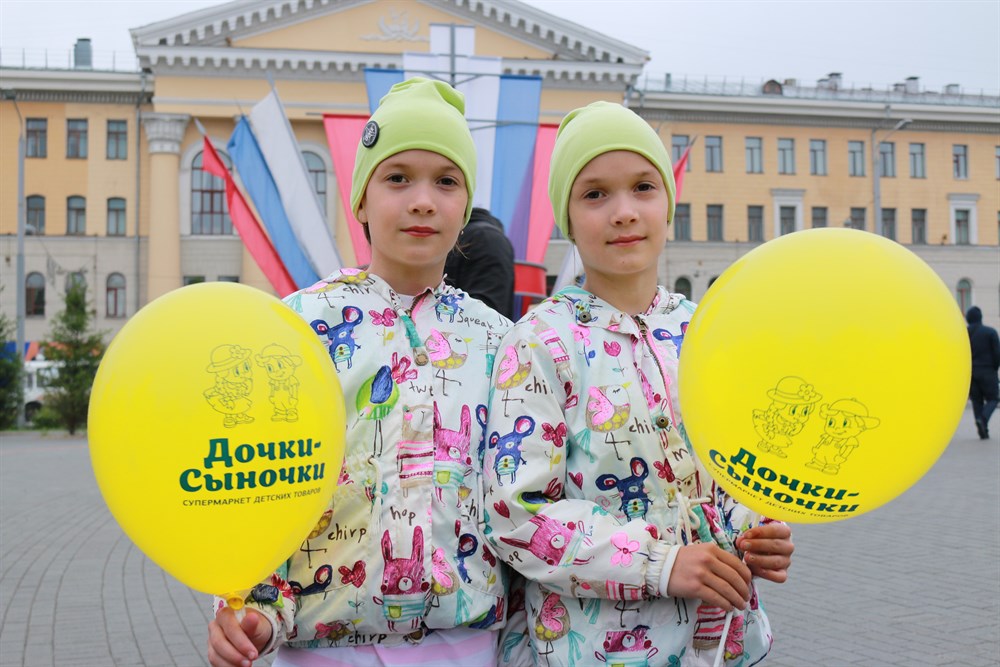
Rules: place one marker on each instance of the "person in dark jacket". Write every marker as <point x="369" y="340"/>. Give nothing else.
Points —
<point x="482" y="263"/>
<point x="985" y="386"/>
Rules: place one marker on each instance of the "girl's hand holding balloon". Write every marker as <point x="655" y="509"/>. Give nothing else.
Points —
<point x="235" y="642"/>
<point x="706" y="572"/>
<point x="767" y="551"/>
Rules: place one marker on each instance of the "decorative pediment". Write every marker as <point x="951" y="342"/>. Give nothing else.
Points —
<point x="321" y="36"/>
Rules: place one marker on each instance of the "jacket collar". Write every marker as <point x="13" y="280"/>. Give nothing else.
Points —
<point x="590" y="310"/>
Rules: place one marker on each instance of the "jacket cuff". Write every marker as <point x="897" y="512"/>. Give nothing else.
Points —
<point x="661" y="563"/>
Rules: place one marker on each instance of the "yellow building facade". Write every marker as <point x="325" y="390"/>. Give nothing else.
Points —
<point x="153" y="222"/>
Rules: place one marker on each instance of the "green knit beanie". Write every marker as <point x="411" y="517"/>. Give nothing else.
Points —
<point x="593" y="130"/>
<point x="416" y="114"/>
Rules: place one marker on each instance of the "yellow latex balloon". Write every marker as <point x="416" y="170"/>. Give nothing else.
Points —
<point x="216" y="433"/>
<point x="823" y="374"/>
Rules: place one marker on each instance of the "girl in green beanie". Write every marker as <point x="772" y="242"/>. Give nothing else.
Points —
<point x="632" y="554"/>
<point x="396" y="571"/>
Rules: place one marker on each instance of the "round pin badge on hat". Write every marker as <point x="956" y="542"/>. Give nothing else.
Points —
<point x="370" y="134"/>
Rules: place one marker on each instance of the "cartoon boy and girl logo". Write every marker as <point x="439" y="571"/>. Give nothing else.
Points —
<point x="793" y="400"/>
<point x="232" y="369"/>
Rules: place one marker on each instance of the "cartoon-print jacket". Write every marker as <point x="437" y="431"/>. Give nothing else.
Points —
<point x="399" y="549"/>
<point x="590" y="481"/>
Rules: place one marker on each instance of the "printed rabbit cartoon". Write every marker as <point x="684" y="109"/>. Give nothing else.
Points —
<point x="551" y="541"/>
<point x="403" y="585"/>
<point x="340" y="338"/>
<point x="509" y="448"/>
<point x="451" y="452"/>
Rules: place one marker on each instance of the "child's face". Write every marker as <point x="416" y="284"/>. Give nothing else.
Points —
<point x="414" y="207"/>
<point x="618" y="215"/>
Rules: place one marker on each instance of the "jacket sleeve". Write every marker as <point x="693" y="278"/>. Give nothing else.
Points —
<point x="275" y="600"/>
<point x="568" y="544"/>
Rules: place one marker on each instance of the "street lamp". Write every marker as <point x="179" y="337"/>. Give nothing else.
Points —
<point x="877" y="171"/>
<point x="21" y="309"/>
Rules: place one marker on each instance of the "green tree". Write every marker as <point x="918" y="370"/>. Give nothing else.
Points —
<point x="78" y="350"/>
<point x="11" y="384"/>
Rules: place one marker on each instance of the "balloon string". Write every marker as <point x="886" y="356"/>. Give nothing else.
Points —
<point x="722" y="642"/>
<point x="687" y="520"/>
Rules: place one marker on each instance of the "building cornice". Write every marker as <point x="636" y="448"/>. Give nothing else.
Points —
<point x="813" y="113"/>
<point x="230" y="62"/>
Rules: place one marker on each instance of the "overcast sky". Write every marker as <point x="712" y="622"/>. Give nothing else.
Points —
<point x="871" y="42"/>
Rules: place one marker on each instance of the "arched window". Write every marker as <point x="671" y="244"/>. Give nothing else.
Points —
<point x="964" y="294"/>
<point x="317" y="175"/>
<point x="116" y="295"/>
<point x="209" y="212"/>
<point x="116" y="216"/>
<point x="76" y="216"/>
<point x="35" y="216"/>
<point x="683" y="286"/>
<point x="34" y="295"/>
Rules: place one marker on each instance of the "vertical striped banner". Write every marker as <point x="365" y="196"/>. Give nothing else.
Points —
<point x="343" y="133"/>
<point x="298" y="198"/>
<point x="259" y="184"/>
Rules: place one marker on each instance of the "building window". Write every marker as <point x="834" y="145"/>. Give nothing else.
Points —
<point x="960" y="160"/>
<point x="713" y="153"/>
<point x="889" y="223"/>
<point x="683" y="286"/>
<point x="76" y="138"/>
<point x="117" y="139"/>
<point x="961" y="226"/>
<point x="786" y="156"/>
<point x="116" y="216"/>
<point x="918" y="228"/>
<point x="856" y="158"/>
<point x="34" y="295"/>
<point x="817" y="157"/>
<point x="755" y="148"/>
<point x="228" y="279"/>
<point x="76" y="216"/>
<point x="209" y="212"/>
<point x="819" y="217"/>
<point x="786" y="216"/>
<point x="116" y="295"/>
<point x="714" y="222"/>
<point x="35" y="215"/>
<point x="963" y="293"/>
<point x="193" y="280"/>
<point x="679" y="144"/>
<point x="682" y="222"/>
<point x="38" y="137"/>
<point x="887" y="159"/>
<point x="918" y="167"/>
<point x="755" y="224"/>
<point x="857" y="219"/>
<point x="317" y="175"/>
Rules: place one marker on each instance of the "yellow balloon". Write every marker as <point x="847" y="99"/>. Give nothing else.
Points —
<point x="823" y="374"/>
<point x="216" y="433"/>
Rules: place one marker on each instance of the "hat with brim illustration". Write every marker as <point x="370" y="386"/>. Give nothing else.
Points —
<point x="225" y="357"/>
<point x="793" y="391"/>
